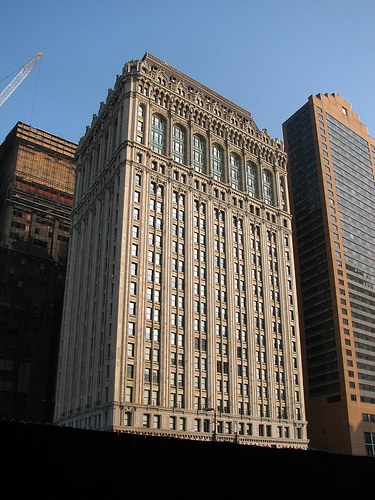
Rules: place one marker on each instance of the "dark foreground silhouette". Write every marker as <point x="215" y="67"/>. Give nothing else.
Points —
<point x="52" y="461"/>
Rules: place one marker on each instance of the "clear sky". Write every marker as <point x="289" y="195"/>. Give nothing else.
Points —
<point x="267" y="56"/>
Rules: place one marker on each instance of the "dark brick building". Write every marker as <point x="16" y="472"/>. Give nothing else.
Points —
<point x="36" y="190"/>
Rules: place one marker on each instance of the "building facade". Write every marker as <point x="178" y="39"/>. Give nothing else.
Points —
<point x="180" y="313"/>
<point x="331" y="163"/>
<point x="36" y="197"/>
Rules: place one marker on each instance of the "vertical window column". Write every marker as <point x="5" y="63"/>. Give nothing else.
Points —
<point x="241" y="316"/>
<point x="133" y="290"/>
<point x="154" y="290"/>
<point x="177" y="340"/>
<point x="200" y="307"/>
<point x="221" y="316"/>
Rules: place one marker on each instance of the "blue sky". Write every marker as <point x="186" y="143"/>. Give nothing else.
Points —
<point x="267" y="56"/>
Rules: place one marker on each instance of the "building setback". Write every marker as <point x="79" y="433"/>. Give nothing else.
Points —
<point x="331" y="163"/>
<point x="36" y="196"/>
<point x="180" y="314"/>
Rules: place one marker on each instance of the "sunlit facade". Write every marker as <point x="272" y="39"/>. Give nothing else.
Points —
<point x="180" y="314"/>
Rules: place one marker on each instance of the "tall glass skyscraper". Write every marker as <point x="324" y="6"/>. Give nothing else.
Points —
<point x="331" y="166"/>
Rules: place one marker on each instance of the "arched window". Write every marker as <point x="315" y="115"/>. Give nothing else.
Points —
<point x="217" y="163"/>
<point x="178" y="149"/>
<point x="235" y="171"/>
<point x="268" y="187"/>
<point x="252" y="182"/>
<point x="199" y="154"/>
<point x="158" y="134"/>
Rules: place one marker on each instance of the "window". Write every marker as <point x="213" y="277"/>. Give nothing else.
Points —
<point x="268" y="187"/>
<point x="217" y="163"/>
<point x="157" y="421"/>
<point x="252" y="187"/>
<point x="135" y="231"/>
<point x="199" y="154"/>
<point x="146" y="420"/>
<point x="157" y="134"/>
<point x="133" y="288"/>
<point x="133" y="268"/>
<point x="235" y="171"/>
<point x="129" y="394"/>
<point x="172" y="423"/>
<point x="178" y="150"/>
<point x="370" y="444"/>
<point x="132" y="308"/>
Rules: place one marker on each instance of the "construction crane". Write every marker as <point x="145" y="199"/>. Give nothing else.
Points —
<point x="18" y="78"/>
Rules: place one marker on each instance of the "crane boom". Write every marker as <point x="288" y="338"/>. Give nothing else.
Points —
<point x="18" y="78"/>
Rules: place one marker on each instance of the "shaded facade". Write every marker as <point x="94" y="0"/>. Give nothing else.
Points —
<point x="36" y="193"/>
<point x="180" y="313"/>
<point x="331" y="164"/>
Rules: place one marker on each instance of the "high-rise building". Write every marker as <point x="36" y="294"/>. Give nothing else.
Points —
<point x="36" y="197"/>
<point x="180" y="313"/>
<point x="331" y="163"/>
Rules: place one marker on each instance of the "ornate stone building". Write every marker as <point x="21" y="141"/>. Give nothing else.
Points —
<point x="180" y="312"/>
